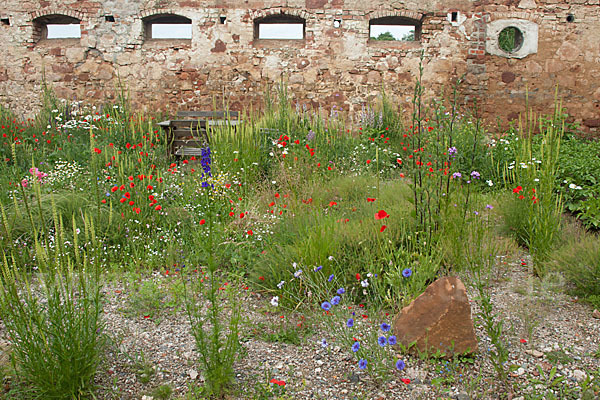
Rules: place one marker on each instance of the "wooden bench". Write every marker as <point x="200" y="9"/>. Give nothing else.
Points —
<point x="189" y="133"/>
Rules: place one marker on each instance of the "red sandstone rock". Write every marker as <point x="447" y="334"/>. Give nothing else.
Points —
<point x="439" y="319"/>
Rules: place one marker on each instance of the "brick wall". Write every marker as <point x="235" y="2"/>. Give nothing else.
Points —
<point x="332" y="65"/>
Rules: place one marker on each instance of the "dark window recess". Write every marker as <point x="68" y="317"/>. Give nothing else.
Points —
<point x="280" y="26"/>
<point x="570" y="18"/>
<point x="109" y="18"/>
<point x="454" y="17"/>
<point x="5" y="21"/>
<point x="337" y="23"/>
<point x="222" y="20"/>
<point x="395" y="29"/>
<point x="167" y="26"/>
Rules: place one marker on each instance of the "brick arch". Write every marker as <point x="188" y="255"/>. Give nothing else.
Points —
<point x="294" y="12"/>
<point x="395" y="13"/>
<point x="516" y="15"/>
<point x="69" y="12"/>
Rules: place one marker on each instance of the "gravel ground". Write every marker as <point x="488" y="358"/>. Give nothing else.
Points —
<point x="146" y="352"/>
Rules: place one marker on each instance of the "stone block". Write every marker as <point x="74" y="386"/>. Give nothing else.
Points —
<point x="439" y="320"/>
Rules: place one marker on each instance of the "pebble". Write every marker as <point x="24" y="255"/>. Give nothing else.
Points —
<point x="535" y="353"/>
<point x="579" y="375"/>
<point x="596" y="314"/>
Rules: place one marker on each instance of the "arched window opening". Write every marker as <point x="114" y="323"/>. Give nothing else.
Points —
<point x="280" y="26"/>
<point x="167" y="26"/>
<point x="56" y="26"/>
<point x="395" y="29"/>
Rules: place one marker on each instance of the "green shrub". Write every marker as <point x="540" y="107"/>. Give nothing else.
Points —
<point x="579" y="260"/>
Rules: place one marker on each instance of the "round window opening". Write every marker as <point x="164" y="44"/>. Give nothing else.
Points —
<point x="510" y="39"/>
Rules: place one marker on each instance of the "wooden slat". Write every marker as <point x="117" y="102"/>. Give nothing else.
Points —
<point x="187" y="123"/>
<point x="179" y="133"/>
<point x="209" y="114"/>
<point x="188" y="151"/>
<point x="189" y="143"/>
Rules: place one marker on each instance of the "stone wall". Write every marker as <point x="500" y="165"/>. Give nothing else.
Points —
<point x="335" y="64"/>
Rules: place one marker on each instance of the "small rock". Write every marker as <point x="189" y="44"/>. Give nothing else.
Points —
<point x="535" y="353"/>
<point x="579" y="375"/>
<point x="144" y="397"/>
<point x="317" y="370"/>
<point x="520" y="371"/>
<point x="354" y="378"/>
<point x="462" y="396"/>
<point x="193" y="374"/>
<point x="596" y="314"/>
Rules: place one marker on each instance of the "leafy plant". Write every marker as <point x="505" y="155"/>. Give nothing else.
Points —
<point x="218" y="345"/>
<point x="55" y="320"/>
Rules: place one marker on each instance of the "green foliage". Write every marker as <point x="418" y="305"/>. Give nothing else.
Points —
<point x="386" y="36"/>
<point x="493" y="326"/>
<point x="55" y="319"/>
<point x="535" y="172"/>
<point x="508" y="39"/>
<point x="579" y="260"/>
<point x="162" y="392"/>
<point x="217" y="343"/>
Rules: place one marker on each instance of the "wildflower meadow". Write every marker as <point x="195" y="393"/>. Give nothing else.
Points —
<point x="272" y="265"/>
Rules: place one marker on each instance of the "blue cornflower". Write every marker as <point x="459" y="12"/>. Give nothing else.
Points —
<point x="392" y="340"/>
<point x="400" y="365"/>
<point x="355" y="346"/>
<point x="326" y="306"/>
<point x="324" y="343"/>
<point x="382" y="341"/>
<point x="362" y="364"/>
<point x="330" y="278"/>
<point x="336" y="300"/>
<point x="385" y="327"/>
<point x="341" y="291"/>
<point x="407" y="272"/>
<point x="320" y="267"/>
<point x="350" y="323"/>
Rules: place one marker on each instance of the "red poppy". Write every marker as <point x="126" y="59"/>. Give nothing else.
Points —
<point x="262" y="278"/>
<point x="332" y="203"/>
<point x="250" y="232"/>
<point x="149" y="187"/>
<point x="517" y="189"/>
<point x="158" y="207"/>
<point x="368" y="162"/>
<point x="97" y="150"/>
<point x="383" y="227"/>
<point x="381" y="215"/>
<point x="103" y="201"/>
<point x="131" y="202"/>
<point x="202" y="222"/>
<point x="277" y="195"/>
<point x="405" y="380"/>
<point x="523" y="341"/>
<point x="370" y="199"/>
<point x="123" y="200"/>
<point x="358" y="277"/>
